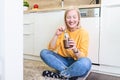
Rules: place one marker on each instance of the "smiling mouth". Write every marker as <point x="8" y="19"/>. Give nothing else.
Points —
<point x="71" y="23"/>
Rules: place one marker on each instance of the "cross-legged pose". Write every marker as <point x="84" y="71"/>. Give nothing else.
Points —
<point x="68" y="49"/>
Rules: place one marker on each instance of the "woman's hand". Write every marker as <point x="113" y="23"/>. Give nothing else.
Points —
<point x="60" y="30"/>
<point x="72" y="44"/>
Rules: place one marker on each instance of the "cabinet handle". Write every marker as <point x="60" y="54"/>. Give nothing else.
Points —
<point x="28" y="23"/>
<point x="109" y="6"/>
<point x="26" y="34"/>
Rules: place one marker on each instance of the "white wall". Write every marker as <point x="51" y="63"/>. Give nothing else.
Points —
<point x="1" y="36"/>
<point x="11" y="39"/>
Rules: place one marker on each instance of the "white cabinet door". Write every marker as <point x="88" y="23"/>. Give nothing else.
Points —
<point x="92" y="26"/>
<point x="110" y="2"/>
<point x="28" y="33"/>
<point x="28" y="39"/>
<point x="90" y="20"/>
<point x="47" y="23"/>
<point x="110" y="36"/>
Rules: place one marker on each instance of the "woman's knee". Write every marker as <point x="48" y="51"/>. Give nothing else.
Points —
<point x="43" y="52"/>
<point x="86" y="62"/>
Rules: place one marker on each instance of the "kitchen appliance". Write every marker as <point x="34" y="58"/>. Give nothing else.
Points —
<point x="90" y="20"/>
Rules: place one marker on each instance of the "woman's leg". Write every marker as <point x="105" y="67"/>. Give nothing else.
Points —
<point x="54" y="60"/>
<point x="78" y="68"/>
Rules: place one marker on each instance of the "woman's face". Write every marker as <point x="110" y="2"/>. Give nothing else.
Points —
<point x="72" y="19"/>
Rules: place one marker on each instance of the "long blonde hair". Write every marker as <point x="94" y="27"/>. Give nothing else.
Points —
<point x="69" y="9"/>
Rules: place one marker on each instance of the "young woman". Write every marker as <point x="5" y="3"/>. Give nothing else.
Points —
<point x="71" y="62"/>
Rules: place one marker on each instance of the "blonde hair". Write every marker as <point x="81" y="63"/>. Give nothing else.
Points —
<point x="69" y="9"/>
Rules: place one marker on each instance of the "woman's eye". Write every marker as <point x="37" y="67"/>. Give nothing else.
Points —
<point x="74" y="17"/>
<point x="68" y="17"/>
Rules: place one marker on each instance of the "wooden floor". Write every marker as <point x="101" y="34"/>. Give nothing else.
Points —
<point x="34" y="69"/>
<point x="98" y="76"/>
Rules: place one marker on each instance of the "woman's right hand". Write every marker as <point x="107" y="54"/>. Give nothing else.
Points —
<point x="60" y="30"/>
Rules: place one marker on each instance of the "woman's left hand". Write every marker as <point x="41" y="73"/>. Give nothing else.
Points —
<point x="72" y="44"/>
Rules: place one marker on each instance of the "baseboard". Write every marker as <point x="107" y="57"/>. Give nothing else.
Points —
<point x="108" y="70"/>
<point x="31" y="57"/>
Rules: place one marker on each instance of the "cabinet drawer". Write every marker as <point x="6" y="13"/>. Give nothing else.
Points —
<point x="28" y="44"/>
<point x="28" y="29"/>
<point x="29" y="18"/>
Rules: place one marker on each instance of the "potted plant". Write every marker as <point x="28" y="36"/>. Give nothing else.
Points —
<point x="25" y="5"/>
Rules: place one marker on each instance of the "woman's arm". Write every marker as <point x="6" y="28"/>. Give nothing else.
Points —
<point x="52" y="44"/>
<point x="82" y="49"/>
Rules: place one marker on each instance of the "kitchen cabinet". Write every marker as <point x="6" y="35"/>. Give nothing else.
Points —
<point x="90" y="20"/>
<point x="39" y="32"/>
<point x="109" y="36"/>
<point x="110" y="2"/>
<point x="47" y="23"/>
<point x="92" y="26"/>
<point x="28" y="33"/>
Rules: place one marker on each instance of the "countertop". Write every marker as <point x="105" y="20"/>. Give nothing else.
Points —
<point x="60" y="8"/>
